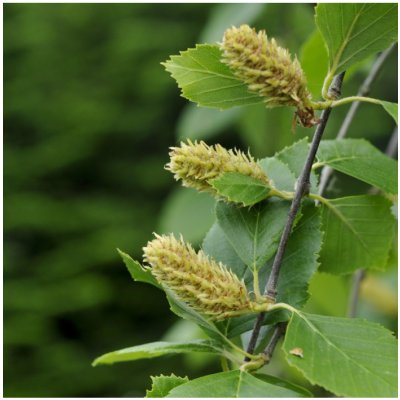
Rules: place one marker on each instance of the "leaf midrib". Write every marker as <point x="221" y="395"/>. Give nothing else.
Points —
<point x="339" y="53"/>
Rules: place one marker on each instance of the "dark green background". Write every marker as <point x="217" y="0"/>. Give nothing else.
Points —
<point x="89" y="114"/>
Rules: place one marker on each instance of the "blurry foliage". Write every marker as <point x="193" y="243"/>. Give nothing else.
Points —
<point x="89" y="114"/>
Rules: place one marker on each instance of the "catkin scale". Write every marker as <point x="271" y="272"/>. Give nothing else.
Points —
<point x="205" y="285"/>
<point x="268" y="70"/>
<point x="197" y="163"/>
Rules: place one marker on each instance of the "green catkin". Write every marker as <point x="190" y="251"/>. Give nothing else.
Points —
<point x="196" y="164"/>
<point x="268" y="70"/>
<point x="205" y="285"/>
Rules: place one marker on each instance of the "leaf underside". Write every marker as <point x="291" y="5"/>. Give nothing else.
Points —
<point x="157" y="349"/>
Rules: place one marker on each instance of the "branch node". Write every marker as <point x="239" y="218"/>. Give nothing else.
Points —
<point x="271" y="294"/>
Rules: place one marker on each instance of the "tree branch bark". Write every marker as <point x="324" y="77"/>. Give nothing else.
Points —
<point x="303" y="187"/>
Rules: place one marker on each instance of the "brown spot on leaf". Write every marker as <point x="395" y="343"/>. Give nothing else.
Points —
<point x="297" y="351"/>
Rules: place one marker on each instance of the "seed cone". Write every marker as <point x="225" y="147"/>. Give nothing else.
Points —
<point x="268" y="70"/>
<point x="197" y="164"/>
<point x="205" y="285"/>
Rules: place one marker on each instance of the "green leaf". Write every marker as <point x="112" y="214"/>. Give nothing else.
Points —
<point x="177" y="306"/>
<point x="158" y="349"/>
<point x="181" y="309"/>
<point x="300" y="259"/>
<point x="353" y="31"/>
<point x="299" y="264"/>
<point x="217" y="246"/>
<point x="236" y="384"/>
<point x="282" y="178"/>
<point x="294" y="157"/>
<point x="188" y="213"/>
<point x="254" y="233"/>
<point x="162" y="385"/>
<point x="234" y="327"/>
<point x="239" y="188"/>
<point x="392" y="109"/>
<point x="314" y="61"/>
<point x="205" y="80"/>
<point x="359" y="159"/>
<point x="358" y="233"/>
<point x="137" y="271"/>
<point x="349" y="357"/>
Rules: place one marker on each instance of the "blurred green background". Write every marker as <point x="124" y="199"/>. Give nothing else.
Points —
<point x="89" y="114"/>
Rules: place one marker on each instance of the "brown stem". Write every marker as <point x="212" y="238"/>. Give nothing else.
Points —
<point x="303" y="186"/>
<point x="277" y="334"/>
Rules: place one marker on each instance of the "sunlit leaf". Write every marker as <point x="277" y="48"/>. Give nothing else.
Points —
<point x="205" y="80"/>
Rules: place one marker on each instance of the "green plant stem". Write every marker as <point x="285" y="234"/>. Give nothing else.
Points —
<point x="326" y="85"/>
<point x="224" y="364"/>
<point x="303" y="186"/>
<point x="351" y="99"/>
<point x="256" y="284"/>
<point x="319" y="198"/>
<point x="323" y="105"/>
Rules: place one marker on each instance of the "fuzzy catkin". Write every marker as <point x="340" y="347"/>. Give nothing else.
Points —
<point x="205" y="285"/>
<point x="268" y="70"/>
<point x="196" y="164"/>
